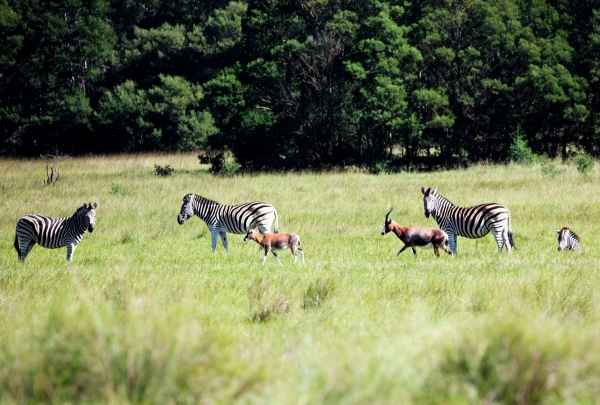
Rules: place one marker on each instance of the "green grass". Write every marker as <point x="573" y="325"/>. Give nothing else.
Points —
<point x="146" y="314"/>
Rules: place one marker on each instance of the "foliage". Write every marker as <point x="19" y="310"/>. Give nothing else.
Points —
<point x="302" y="85"/>
<point x="222" y="163"/>
<point x="519" y="152"/>
<point x="585" y="163"/>
<point x="163" y="171"/>
<point x="117" y="189"/>
<point x="550" y="169"/>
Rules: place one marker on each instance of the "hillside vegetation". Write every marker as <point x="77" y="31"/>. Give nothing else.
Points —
<point x="146" y="314"/>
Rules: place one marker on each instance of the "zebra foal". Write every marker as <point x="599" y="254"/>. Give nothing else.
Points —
<point x="54" y="233"/>
<point x="568" y="240"/>
<point x="470" y="222"/>
<point x="220" y="218"/>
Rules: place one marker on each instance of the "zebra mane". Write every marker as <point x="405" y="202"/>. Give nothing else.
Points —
<point x="80" y="209"/>
<point x="205" y="200"/>
<point x="430" y="190"/>
<point x="577" y="238"/>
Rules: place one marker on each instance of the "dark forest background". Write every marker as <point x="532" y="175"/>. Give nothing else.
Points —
<point x="305" y="84"/>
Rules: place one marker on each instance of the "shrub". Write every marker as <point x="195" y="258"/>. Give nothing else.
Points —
<point x="163" y="171"/>
<point x="317" y="293"/>
<point x="117" y="189"/>
<point x="222" y="163"/>
<point x="585" y="162"/>
<point x="263" y="303"/>
<point x="519" y="152"/>
<point x="550" y="169"/>
<point x="506" y="365"/>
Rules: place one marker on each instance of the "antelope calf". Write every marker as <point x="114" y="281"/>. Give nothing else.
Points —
<point x="414" y="236"/>
<point x="271" y="242"/>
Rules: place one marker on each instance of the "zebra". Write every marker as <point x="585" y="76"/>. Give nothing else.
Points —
<point x="568" y="240"/>
<point x="470" y="222"/>
<point x="54" y="233"/>
<point x="221" y="218"/>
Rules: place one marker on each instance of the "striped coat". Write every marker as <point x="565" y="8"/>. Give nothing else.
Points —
<point x="568" y="240"/>
<point x="469" y="222"/>
<point x="221" y="218"/>
<point x="54" y="233"/>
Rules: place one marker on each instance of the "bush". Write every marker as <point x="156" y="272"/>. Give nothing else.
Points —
<point x="163" y="171"/>
<point x="519" y="152"/>
<point x="117" y="189"/>
<point x="222" y="163"/>
<point x="585" y="162"/>
<point x="550" y="169"/>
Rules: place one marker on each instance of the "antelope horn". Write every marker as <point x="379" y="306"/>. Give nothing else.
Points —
<point x="388" y="214"/>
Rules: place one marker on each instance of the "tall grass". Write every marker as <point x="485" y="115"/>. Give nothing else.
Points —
<point x="146" y="314"/>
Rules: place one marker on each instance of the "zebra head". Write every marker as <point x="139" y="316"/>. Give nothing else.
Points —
<point x="187" y="210"/>
<point x="563" y="238"/>
<point x="87" y="212"/>
<point x="429" y="200"/>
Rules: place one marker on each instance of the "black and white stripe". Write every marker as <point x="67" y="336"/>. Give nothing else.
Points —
<point x="53" y="233"/>
<point x="568" y="240"/>
<point x="470" y="222"/>
<point x="221" y="218"/>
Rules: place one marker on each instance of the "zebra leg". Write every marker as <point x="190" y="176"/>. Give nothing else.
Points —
<point x="223" y="236"/>
<point x="506" y="238"/>
<point x="501" y="239"/>
<point x="24" y="249"/>
<point x="70" y="250"/>
<point x="214" y="234"/>
<point x="452" y="241"/>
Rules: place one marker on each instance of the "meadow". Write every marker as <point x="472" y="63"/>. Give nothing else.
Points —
<point x="147" y="314"/>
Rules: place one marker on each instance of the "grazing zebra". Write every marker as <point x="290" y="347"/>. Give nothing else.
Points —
<point x="568" y="240"/>
<point x="470" y="222"/>
<point x="228" y="218"/>
<point x="53" y="233"/>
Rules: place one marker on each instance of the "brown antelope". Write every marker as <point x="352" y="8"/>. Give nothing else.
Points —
<point x="414" y="236"/>
<point x="271" y="242"/>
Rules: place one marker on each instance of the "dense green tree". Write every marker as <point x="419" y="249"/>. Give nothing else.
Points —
<point x="294" y="84"/>
<point x="55" y="70"/>
<point x="165" y="117"/>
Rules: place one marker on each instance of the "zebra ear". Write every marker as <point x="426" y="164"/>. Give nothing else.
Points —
<point x="435" y="190"/>
<point x="95" y="205"/>
<point x="423" y="190"/>
<point x="86" y="205"/>
<point x="557" y="231"/>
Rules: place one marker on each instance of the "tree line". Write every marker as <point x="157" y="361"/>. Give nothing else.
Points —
<point x="301" y="84"/>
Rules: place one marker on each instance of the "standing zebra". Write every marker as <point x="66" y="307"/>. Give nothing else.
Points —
<point x="568" y="240"/>
<point x="228" y="218"/>
<point x="470" y="222"/>
<point x="53" y="233"/>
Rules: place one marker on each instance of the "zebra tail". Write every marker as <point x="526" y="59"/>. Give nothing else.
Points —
<point x="510" y="236"/>
<point x="276" y="230"/>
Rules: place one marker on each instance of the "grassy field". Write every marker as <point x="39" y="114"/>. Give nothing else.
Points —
<point x="146" y="314"/>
